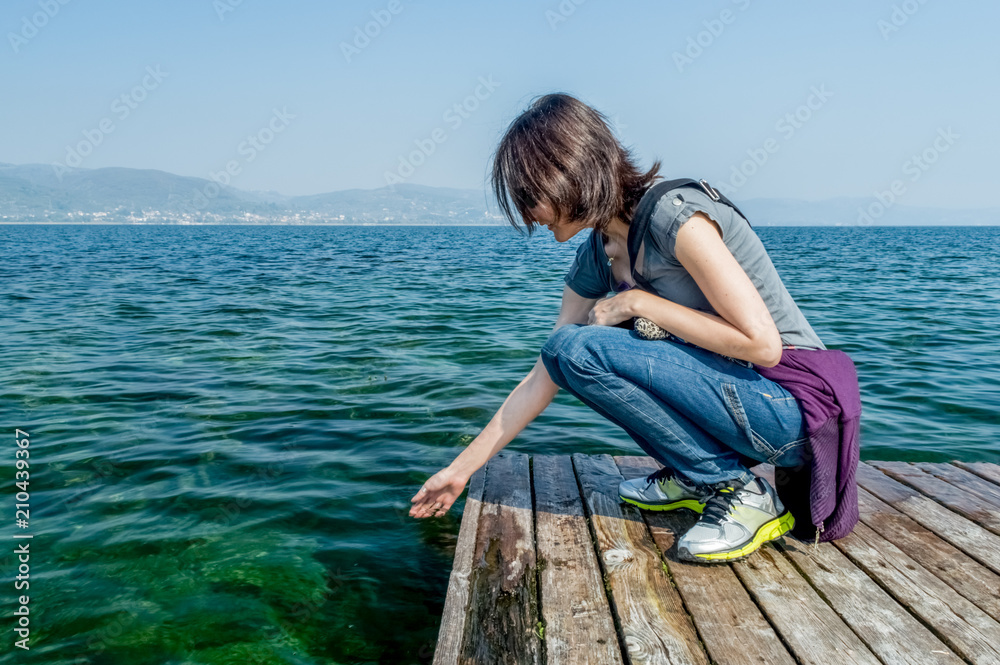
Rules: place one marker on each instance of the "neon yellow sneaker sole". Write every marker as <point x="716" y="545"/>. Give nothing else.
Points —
<point x="690" y="504"/>
<point x="767" y="532"/>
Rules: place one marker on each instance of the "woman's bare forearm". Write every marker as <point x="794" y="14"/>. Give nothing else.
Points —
<point x="525" y="402"/>
<point x="709" y="331"/>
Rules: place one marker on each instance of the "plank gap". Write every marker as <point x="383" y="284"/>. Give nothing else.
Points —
<point x="968" y="631"/>
<point x="965" y="534"/>
<point x="781" y="638"/>
<point x="702" y="586"/>
<point x="971" y="579"/>
<point x="958" y="500"/>
<point x="456" y="605"/>
<point x="594" y="542"/>
<point x="654" y="626"/>
<point x="841" y="584"/>
<point x="927" y="542"/>
<point x="984" y="470"/>
<point x="665" y="566"/>
<point x="965" y="480"/>
<point x="538" y="574"/>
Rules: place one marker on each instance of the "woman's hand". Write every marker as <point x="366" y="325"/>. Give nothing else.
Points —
<point x="438" y="493"/>
<point x="612" y="311"/>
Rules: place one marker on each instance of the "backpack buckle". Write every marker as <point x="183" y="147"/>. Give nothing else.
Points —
<point x="714" y="195"/>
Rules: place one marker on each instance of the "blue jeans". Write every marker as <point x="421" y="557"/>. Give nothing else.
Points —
<point x="706" y="417"/>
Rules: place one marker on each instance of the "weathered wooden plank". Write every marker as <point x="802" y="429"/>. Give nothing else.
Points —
<point x="990" y="472"/>
<point x="969" y="631"/>
<point x="731" y="626"/>
<point x="968" y="577"/>
<point x="964" y="534"/>
<point x="810" y="627"/>
<point x="922" y="554"/>
<point x="964" y="503"/>
<point x="456" y="603"/>
<point x="579" y="628"/>
<point x="503" y="608"/>
<point x="654" y="626"/>
<point x="965" y="480"/>
<point x="886" y="627"/>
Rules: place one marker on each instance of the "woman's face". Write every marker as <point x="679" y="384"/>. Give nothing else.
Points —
<point x="561" y="230"/>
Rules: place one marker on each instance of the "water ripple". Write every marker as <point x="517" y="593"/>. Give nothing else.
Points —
<point x="227" y="422"/>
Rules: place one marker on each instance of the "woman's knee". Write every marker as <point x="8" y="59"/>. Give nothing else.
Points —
<point x="552" y="351"/>
<point x="578" y="341"/>
<point x="580" y="350"/>
<point x="560" y="341"/>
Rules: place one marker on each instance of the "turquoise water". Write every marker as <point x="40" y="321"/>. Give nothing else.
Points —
<point x="227" y="422"/>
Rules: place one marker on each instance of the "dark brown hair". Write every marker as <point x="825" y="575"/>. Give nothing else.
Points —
<point x="562" y="152"/>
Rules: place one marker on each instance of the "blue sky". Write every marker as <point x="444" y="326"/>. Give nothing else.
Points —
<point x="823" y="99"/>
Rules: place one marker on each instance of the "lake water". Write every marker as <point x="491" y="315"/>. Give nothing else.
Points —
<point x="227" y="422"/>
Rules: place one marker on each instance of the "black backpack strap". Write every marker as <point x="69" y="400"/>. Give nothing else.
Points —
<point x="716" y="195"/>
<point x="644" y="213"/>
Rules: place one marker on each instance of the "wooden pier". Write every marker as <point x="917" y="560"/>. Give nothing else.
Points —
<point x="551" y="567"/>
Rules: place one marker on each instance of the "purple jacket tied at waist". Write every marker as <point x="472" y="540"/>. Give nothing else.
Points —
<point x="822" y="495"/>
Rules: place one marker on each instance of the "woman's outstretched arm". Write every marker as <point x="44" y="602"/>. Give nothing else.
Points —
<point x="531" y="396"/>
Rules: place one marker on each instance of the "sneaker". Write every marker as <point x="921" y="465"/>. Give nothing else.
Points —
<point x="663" y="490"/>
<point x="735" y="523"/>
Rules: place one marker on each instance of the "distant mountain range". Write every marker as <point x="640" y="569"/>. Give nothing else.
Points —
<point x="35" y="193"/>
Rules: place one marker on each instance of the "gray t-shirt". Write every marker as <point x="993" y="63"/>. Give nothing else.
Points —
<point x="590" y="276"/>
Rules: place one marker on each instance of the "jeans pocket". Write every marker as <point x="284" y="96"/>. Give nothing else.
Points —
<point x="791" y="454"/>
<point x="787" y="436"/>
<point x="765" y="452"/>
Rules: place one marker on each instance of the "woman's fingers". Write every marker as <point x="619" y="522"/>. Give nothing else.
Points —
<point x="427" y="503"/>
<point x="436" y="508"/>
<point x="438" y="494"/>
<point x="429" y="511"/>
<point x="431" y="507"/>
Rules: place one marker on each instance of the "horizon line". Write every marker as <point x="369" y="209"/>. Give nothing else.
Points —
<point x="469" y="189"/>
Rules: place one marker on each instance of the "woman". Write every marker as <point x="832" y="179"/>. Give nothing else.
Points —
<point x="693" y="401"/>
